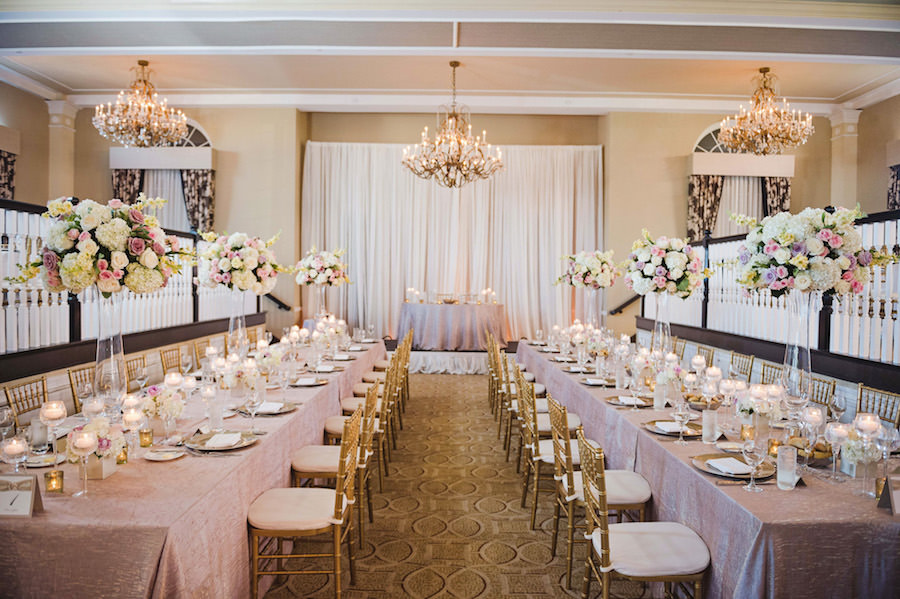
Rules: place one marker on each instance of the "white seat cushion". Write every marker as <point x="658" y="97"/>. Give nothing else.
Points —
<point x="316" y="458"/>
<point x="528" y="376"/>
<point x="374" y="377"/>
<point x="654" y="549"/>
<point x="293" y="509"/>
<point x="543" y="422"/>
<point x="349" y="404"/>
<point x="360" y="389"/>
<point x="334" y="425"/>
<point x="539" y="389"/>
<point x="623" y="487"/>
<point x="381" y="364"/>
<point x="546" y="449"/>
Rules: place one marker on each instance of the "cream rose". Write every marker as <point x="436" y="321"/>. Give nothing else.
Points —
<point x="118" y="260"/>
<point x="149" y="259"/>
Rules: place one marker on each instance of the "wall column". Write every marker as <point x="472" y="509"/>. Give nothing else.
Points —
<point x="844" y="140"/>
<point x="61" y="155"/>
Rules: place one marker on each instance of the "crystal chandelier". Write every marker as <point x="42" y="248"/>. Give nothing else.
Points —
<point x="138" y="117"/>
<point x="766" y="128"/>
<point x="454" y="158"/>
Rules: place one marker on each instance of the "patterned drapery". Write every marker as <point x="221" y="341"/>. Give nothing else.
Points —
<point x="127" y="183"/>
<point x="199" y="197"/>
<point x="7" y="175"/>
<point x="777" y="194"/>
<point x="893" y="202"/>
<point x="704" y="196"/>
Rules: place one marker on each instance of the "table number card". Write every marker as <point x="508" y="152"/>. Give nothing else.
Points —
<point x="890" y="496"/>
<point x="20" y="496"/>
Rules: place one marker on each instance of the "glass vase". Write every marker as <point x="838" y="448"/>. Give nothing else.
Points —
<point x="109" y="369"/>
<point x="662" y="333"/>
<point x="593" y="307"/>
<point x="238" y="340"/>
<point x="796" y="371"/>
<point x="321" y="307"/>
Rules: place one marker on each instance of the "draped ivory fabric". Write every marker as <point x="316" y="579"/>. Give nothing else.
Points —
<point x="507" y="233"/>
<point x="740" y="195"/>
<point x="166" y="183"/>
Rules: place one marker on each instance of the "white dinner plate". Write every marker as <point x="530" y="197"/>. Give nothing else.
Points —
<point x="164" y="455"/>
<point x="44" y="461"/>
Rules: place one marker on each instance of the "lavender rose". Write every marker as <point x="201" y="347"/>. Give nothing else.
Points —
<point x="50" y="259"/>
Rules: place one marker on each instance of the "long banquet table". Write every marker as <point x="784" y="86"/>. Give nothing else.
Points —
<point x="818" y="541"/>
<point x="451" y="327"/>
<point x="172" y="529"/>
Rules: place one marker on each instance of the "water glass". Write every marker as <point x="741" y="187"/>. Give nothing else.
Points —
<point x="681" y="414"/>
<point x="38" y="440"/>
<point x="710" y="427"/>
<point x="7" y="423"/>
<point x="787" y="467"/>
<point x="539" y="336"/>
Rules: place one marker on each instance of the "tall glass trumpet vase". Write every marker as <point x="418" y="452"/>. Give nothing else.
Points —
<point x="662" y="332"/>
<point x="593" y="308"/>
<point x="238" y="340"/>
<point x="321" y="307"/>
<point x="795" y="376"/>
<point x="109" y="368"/>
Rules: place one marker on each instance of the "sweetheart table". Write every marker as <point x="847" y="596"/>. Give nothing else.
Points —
<point x="812" y="542"/>
<point x="452" y="327"/>
<point x="172" y="529"/>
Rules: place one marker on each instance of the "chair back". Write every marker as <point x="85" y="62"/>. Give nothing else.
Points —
<point x="26" y="396"/>
<point x="741" y="365"/>
<point x="200" y="346"/>
<point x="562" y="448"/>
<point x="878" y="401"/>
<point x="368" y="425"/>
<point x="170" y="359"/>
<point x="132" y="366"/>
<point x="771" y="374"/>
<point x="820" y="390"/>
<point x="528" y="416"/>
<point x="679" y="348"/>
<point x="708" y="353"/>
<point x="345" y="489"/>
<point x="594" y="480"/>
<point x="78" y="378"/>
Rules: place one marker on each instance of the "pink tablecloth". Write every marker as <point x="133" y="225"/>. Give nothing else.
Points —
<point x="452" y="327"/>
<point x="172" y="529"/>
<point x="813" y="542"/>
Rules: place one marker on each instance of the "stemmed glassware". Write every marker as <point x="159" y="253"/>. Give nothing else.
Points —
<point x="838" y="407"/>
<point x="254" y="401"/>
<point x="132" y="419"/>
<point x="836" y="433"/>
<point x="92" y="405"/>
<point x="538" y="337"/>
<point x="284" y="379"/>
<point x="187" y="362"/>
<point x="886" y="442"/>
<point x="370" y="331"/>
<point x="681" y="414"/>
<point x="14" y="450"/>
<point x="83" y="443"/>
<point x="142" y="376"/>
<point x="7" y="423"/>
<point x="53" y="413"/>
<point x="754" y="452"/>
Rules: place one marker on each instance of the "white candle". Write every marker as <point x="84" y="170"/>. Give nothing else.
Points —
<point x="189" y="384"/>
<point x="671" y="358"/>
<point x="132" y="417"/>
<point x="233" y="359"/>
<point x="54" y="411"/>
<point x="130" y="401"/>
<point x="304" y="334"/>
<point x="714" y="372"/>
<point x="211" y="352"/>
<point x="174" y="380"/>
<point x="690" y="379"/>
<point x="262" y="344"/>
<point x="698" y="362"/>
<point x="814" y="416"/>
<point x="867" y="424"/>
<point x="249" y="364"/>
<point x="220" y="364"/>
<point x="15" y="447"/>
<point x="758" y="391"/>
<point x="84" y="440"/>
<point x="208" y="392"/>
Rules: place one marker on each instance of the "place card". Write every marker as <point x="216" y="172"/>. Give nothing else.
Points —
<point x="20" y="496"/>
<point x="890" y="496"/>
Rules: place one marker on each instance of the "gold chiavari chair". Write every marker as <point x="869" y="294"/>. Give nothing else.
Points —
<point x="741" y="366"/>
<point x="679" y="348"/>
<point x="821" y="391"/>
<point x="537" y="454"/>
<point x="708" y="353"/>
<point x="253" y="336"/>
<point x="877" y="401"/>
<point x="200" y="346"/>
<point x="26" y="396"/>
<point x="78" y="378"/>
<point x="280" y="514"/>
<point x="770" y="374"/>
<point x="629" y="492"/>
<point x="170" y="359"/>
<point x="666" y="552"/>
<point x="132" y="371"/>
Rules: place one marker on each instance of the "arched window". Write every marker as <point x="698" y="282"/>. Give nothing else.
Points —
<point x="196" y="137"/>
<point x="709" y="141"/>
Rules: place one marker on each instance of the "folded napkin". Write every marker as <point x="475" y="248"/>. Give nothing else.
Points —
<point x="369" y="340"/>
<point x="355" y="348"/>
<point x="627" y="400"/>
<point x="576" y="369"/>
<point x="341" y="356"/>
<point x="548" y="350"/>
<point x="562" y="359"/>
<point x="591" y="381"/>
<point x="666" y="425"/>
<point x="305" y="382"/>
<point x="325" y="368"/>
<point x="270" y="407"/>
<point x="221" y="440"/>
<point x="730" y="466"/>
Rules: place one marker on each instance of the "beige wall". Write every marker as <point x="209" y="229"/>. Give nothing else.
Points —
<point x="28" y="115"/>
<point x="878" y="125"/>
<point x="92" y="176"/>
<point x="811" y="186"/>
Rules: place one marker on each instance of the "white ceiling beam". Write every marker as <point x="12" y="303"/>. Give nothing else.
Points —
<point x="879" y="94"/>
<point x="25" y="83"/>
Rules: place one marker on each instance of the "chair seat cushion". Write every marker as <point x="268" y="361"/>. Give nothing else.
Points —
<point x="540" y="405"/>
<point x="543" y="422"/>
<point x="360" y="389"/>
<point x="334" y="425"/>
<point x="293" y="509"/>
<point x="546" y="448"/>
<point x="381" y="364"/>
<point x="317" y="458"/>
<point x="623" y="487"/>
<point x="645" y="549"/>
<point x="374" y="377"/>
<point x="539" y="389"/>
<point x="528" y="376"/>
<point x="349" y="404"/>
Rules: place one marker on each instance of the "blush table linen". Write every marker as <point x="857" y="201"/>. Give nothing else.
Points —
<point x="452" y="327"/>
<point x="167" y="530"/>
<point x="812" y="542"/>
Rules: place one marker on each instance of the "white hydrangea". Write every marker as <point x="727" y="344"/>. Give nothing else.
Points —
<point x="237" y="239"/>
<point x="77" y="271"/>
<point x="57" y="238"/>
<point x="92" y="214"/>
<point x="824" y="273"/>
<point x="224" y="264"/>
<point x="243" y="279"/>
<point x="141" y="279"/>
<point x="114" y="235"/>
<point x="852" y="241"/>
<point x="676" y="260"/>
<point x="802" y="281"/>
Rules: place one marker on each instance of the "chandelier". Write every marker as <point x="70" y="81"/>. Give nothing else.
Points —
<point x="766" y="128"/>
<point x="454" y="158"/>
<point x="138" y="117"/>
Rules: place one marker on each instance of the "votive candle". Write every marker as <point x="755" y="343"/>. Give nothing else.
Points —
<point x="53" y="480"/>
<point x="146" y="437"/>
<point x="174" y="380"/>
<point x="698" y="363"/>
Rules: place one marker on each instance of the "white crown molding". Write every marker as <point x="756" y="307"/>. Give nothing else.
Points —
<point x="25" y="83"/>
<point x="879" y="94"/>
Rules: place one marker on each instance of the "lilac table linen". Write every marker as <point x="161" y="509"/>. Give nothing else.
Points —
<point x="817" y="541"/>
<point x="452" y="327"/>
<point x="173" y="529"/>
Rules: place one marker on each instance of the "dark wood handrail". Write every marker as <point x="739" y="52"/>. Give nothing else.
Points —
<point x="618" y="309"/>
<point x="278" y="303"/>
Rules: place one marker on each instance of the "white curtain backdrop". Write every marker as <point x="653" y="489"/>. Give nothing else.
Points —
<point x="740" y="195"/>
<point x="399" y="231"/>
<point x="166" y="183"/>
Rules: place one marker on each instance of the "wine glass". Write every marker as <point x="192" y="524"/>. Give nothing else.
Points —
<point x="187" y="362"/>
<point x="886" y="442"/>
<point x="254" y="400"/>
<point x="370" y="331"/>
<point x="132" y="420"/>
<point x="754" y="452"/>
<point x="539" y="337"/>
<point x="83" y="443"/>
<point x="85" y="392"/>
<point x="7" y="423"/>
<point x="92" y="407"/>
<point x="681" y="414"/>
<point x="838" y="407"/>
<point x="836" y="433"/>
<point x="14" y="450"/>
<point x="142" y="376"/>
<point x="284" y="379"/>
<point x="53" y="413"/>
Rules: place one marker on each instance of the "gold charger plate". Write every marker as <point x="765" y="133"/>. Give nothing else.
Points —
<point x="699" y="461"/>
<point x="702" y="405"/>
<point x="614" y="401"/>
<point x="286" y="408"/>
<point x="199" y="441"/>
<point x="692" y="428"/>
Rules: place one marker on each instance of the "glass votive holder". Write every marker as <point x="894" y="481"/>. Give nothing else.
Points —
<point x="122" y="458"/>
<point x="146" y="437"/>
<point x="748" y="432"/>
<point x="53" y="481"/>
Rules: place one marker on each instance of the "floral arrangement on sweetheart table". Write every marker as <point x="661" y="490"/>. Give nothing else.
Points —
<point x="593" y="270"/>
<point x="322" y="269"/>
<point x="163" y="403"/>
<point x="110" y="439"/>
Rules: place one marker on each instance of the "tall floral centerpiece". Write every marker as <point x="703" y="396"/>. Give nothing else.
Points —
<point x="593" y="272"/>
<point x="664" y="266"/>
<point x="322" y="269"/>
<point x="241" y="263"/>
<point x="108" y="247"/>
<point x="807" y="255"/>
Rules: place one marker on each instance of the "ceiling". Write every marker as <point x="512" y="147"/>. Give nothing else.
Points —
<point x="524" y="56"/>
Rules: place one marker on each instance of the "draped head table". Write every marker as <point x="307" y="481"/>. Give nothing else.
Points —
<point x="813" y="542"/>
<point x="173" y="529"/>
<point x="452" y="327"/>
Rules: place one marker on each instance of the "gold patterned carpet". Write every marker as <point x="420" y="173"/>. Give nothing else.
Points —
<point x="449" y="521"/>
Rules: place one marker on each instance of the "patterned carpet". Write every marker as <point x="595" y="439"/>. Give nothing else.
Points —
<point x="449" y="522"/>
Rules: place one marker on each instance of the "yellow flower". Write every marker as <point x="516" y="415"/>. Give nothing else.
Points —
<point x="786" y="238"/>
<point x="209" y="236"/>
<point x="800" y="261"/>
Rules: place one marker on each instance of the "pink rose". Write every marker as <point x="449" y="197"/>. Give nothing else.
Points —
<point x="659" y="282"/>
<point x="226" y="277"/>
<point x="222" y="240"/>
<point x="836" y="241"/>
<point x="173" y="243"/>
<point x="158" y="248"/>
<point x="136" y="215"/>
<point x="824" y="235"/>
<point x="72" y="234"/>
<point x="781" y="272"/>
<point x="118" y="274"/>
<point x="50" y="260"/>
<point x="262" y="259"/>
<point x="771" y="247"/>
<point x="856" y="286"/>
<point x="102" y="264"/>
<point x="116" y="204"/>
<point x="106" y="275"/>
<point x="136" y="246"/>
<point x="217" y="278"/>
<point x="84" y="235"/>
<point x="848" y="275"/>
